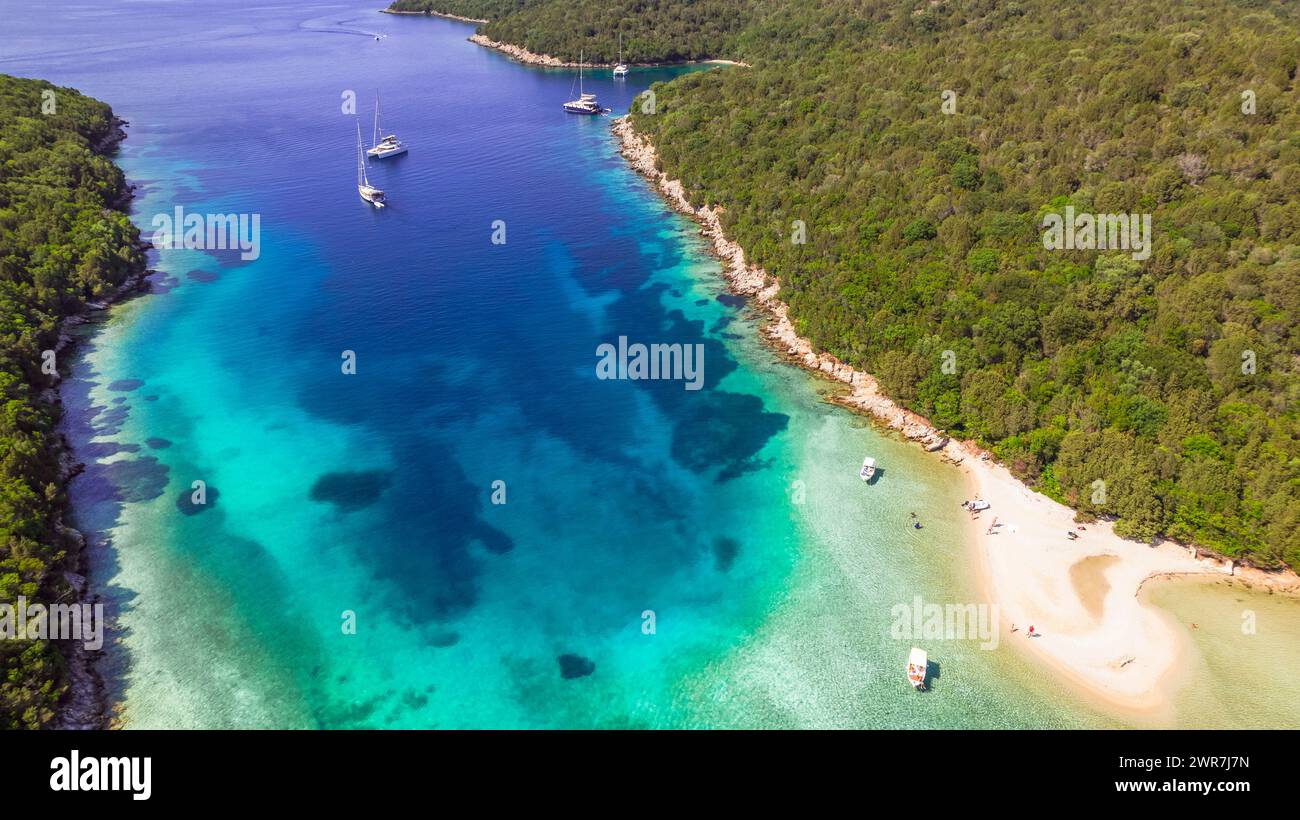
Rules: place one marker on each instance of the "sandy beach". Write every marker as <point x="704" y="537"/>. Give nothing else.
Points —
<point x="1080" y="596"/>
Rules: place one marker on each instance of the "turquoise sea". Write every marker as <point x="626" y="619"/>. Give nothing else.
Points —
<point x="731" y="518"/>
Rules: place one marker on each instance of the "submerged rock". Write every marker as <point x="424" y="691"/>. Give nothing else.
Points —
<point x="444" y="639"/>
<point x="725" y="550"/>
<point x="185" y="503"/>
<point x="141" y="479"/>
<point x="575" y="666"/>
<point x="351" y="491"/>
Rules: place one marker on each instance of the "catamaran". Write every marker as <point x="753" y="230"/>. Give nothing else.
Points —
<point x="586" y="103"/>
<point x="368" y="192"/>
<point x="389" y="146"/>
<point x="917" y="665"/>
<point x="868" y="468"/>
<point x="620" y="70"/>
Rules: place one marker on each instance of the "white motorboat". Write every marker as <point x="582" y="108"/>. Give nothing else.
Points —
<point x="917" y="666"/>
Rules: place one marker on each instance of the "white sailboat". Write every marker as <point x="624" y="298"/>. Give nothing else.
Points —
<point x="586" y="103"/>
<point x="620" y="70"/>
<point x="368" y="192"/>
<point x="918" y="663"/>
<point x="389" y="146"/>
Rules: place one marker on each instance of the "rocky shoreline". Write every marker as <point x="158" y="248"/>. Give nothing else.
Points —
<point x="522" y="54"/>
<point x="435" y="14"/>
<point x="755" y="283"/>
<point x="527" y="57"/>
<point x="863" y="394"/>
<point x="86" y="704"/>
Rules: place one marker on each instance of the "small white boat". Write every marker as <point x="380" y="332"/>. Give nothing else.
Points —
<point x="868" y="468"/>
<point x="917" y="665"/>
<point x="389" y="146"/>
<point x="368" y="192"/>
<point x="978" y="504"/>
<point x="620" y="70"/>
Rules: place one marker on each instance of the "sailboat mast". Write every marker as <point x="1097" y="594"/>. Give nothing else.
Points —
<point x="374" y="136"/>
<point x="580" y="75"/>
<point x="361" y="160"/>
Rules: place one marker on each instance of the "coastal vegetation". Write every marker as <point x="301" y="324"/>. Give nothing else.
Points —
<point x="65" y="241"/>
<point x="892" y="164"/>
<point x="654" y="31"/>
<point x="467" y="9"/>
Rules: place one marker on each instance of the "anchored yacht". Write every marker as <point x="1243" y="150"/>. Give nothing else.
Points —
<point x="620" y="70"/>
<point x="368" y="192"/>
<point x="389" y="146"/>
<point x="586" y="103"/>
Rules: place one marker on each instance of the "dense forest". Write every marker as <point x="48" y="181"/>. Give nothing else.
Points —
<point x="63" y="242"/>
<point x="921" y="144"/>
<point x="472" y="9"/>
<point x="654" y="31"/>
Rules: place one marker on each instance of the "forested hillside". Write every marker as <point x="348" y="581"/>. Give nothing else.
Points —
<point x="472" y="9"/>
<point x="1160" y="390"/>
<point x="654" y="31"/>
<point x="62" y="242"/>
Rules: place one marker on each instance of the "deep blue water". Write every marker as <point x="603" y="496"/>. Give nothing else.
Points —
<point x="732" y="513"/>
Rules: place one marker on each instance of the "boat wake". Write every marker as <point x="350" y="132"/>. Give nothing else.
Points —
<point x="324" y="25"/>
<point x="149" y="46"/>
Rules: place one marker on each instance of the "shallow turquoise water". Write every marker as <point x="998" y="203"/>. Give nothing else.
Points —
<point x="733" y="513"/>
